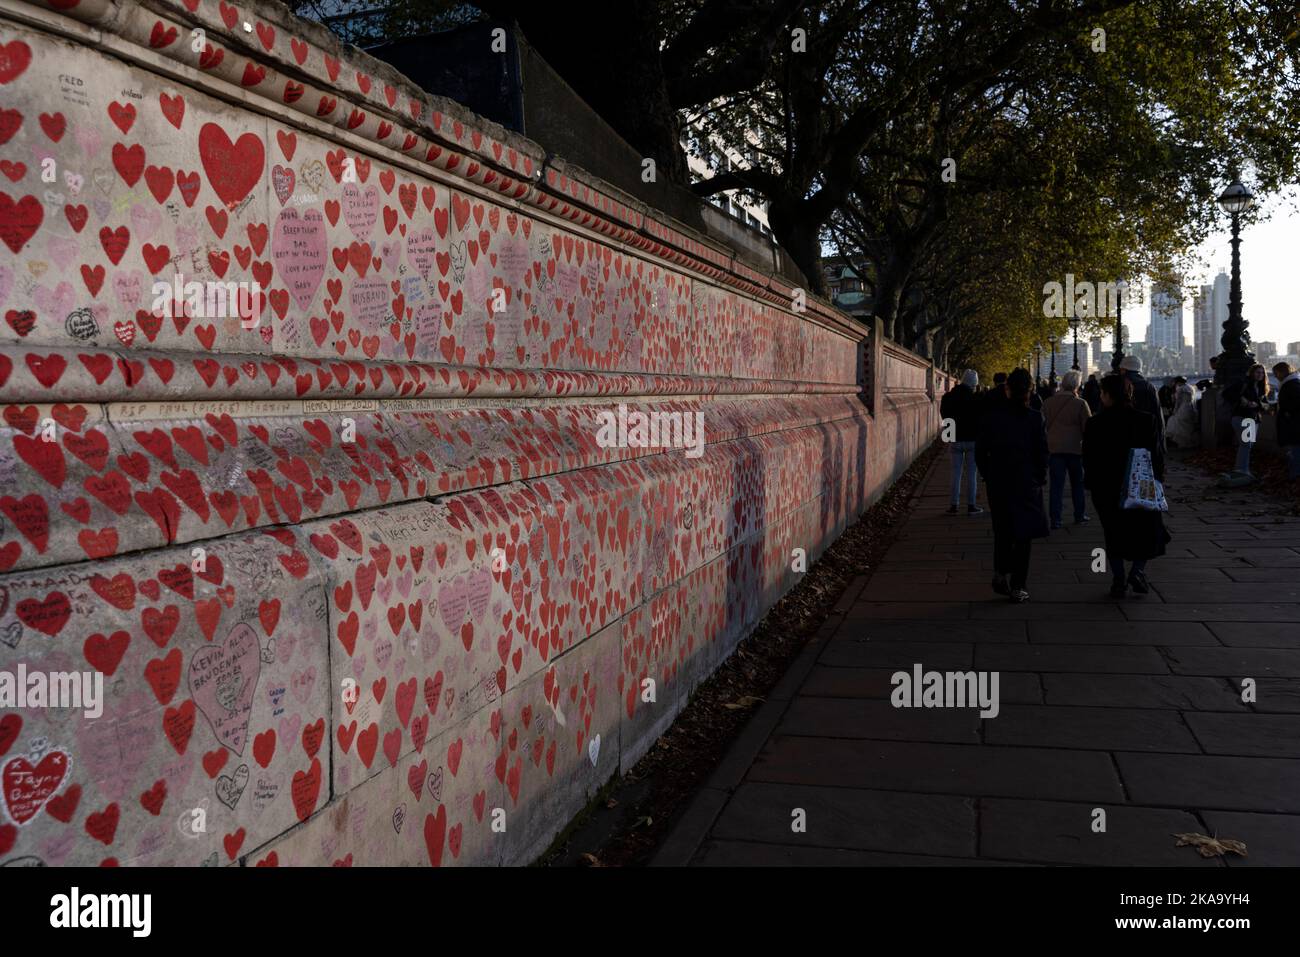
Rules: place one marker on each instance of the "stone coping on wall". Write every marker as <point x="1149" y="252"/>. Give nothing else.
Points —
<point x="267" y="67"/>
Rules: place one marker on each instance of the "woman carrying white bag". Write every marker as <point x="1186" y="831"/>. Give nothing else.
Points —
<point x="1124" y="469"/>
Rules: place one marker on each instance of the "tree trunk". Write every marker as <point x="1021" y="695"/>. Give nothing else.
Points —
<point x="800" y="236"/>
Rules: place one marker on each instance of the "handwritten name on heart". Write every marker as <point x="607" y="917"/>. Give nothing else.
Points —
<point x="223" y="680"/>
<point x="28" y="787"/>
<point x="468" y="592"/>
<point x="299" y="253"/>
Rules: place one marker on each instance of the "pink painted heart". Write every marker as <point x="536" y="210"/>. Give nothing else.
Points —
<point x="453" y="600"/>
<point x="128" y="286"/>
<point x="63" y="250"/>
<point x="289" y="727"/>
<point x="223" y="679"/>
<point x="420" y="250"/>
<point x="89" y="139"/>
<point x="361" y="209"/>
<point x="478" y="593"/>
<point x="298" y="250"/>
<point x="145" y="221"/>
<point x="404" y="583"/>
<point x="56" y="302"/>
<point x="115" y="746"/>
<point x="301" y="683"/>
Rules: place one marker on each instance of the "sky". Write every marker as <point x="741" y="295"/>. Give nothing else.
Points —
<point x="1270" y="260"/>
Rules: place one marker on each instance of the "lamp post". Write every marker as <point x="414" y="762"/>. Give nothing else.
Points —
<point x="1236" y="360"/>
<point x="1038" y="363"/>
<point x="1118" y="356"/>
<point x="1074" y="324"/>
<point x="1053" y="339"/>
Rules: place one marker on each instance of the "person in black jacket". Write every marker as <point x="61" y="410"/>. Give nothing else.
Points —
<point x="1132" y="535"/>
<point x="962" y="407"/>
<point x="1011" y="453"/>
<point x="995" y="396"/>
<point x="1288" y="416"/>
<point x="1247" y="401"/>
<point x="1092" y="394"/>
<point x="1145" y="397"/>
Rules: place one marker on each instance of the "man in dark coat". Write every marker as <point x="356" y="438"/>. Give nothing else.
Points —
<point x="1134" y="535"/>
<point x="996" y="395"/>
<point x="962" y="407"/>
<point x="1288" y="415"/>
<point x="1145" y="396"/>
<point x="1011" y="453"/>
<point x="1092" y="394"/>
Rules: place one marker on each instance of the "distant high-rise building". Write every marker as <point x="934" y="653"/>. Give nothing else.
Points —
<point x="1222" y="288"/>
<point x="1204" y="331"/>
<point x="1096" y="365"/>
<point x="1166" y="329"/>
<point x="1264" y="351"/>
<point x="1293" y="348"/>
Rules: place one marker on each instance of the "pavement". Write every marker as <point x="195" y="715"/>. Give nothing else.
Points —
<point x="1121" y="723"/>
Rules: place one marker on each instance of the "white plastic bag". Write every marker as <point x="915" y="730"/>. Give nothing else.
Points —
<point x="1141" y="489"/>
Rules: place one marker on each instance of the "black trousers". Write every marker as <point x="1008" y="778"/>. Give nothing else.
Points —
<point x="1011" y="557"/>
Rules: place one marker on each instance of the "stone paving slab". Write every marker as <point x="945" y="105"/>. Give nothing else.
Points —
<point x="850" y="818"/>
<point x="1142" y="691"/>
<point x="1239" y="784"/>
<point x="898" y="654"/>
<point x="1277" y="695"/>
<point x="1159" y="633"/>
<point x="878" y="719"/>
<point x="869" y="683"/>
<point x="1263" y="735"/>
<point x="746" y="854"/>
<point x="1043" y="831"/>
<point x="1235" y="662"/>
<point x="1134" y="707"/>
<point x="1254" y="634"/>
<point x="1272" y="840"/>
<point x="944" y="632"/>
<point x="1106" y="729"/>
<point x="1089" y="659"/>
<point x="1050" y="773"/>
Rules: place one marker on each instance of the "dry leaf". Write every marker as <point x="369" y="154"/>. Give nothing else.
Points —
<point x="748" y="701"/>
<point x="1211" y="846"/>
<point x="591" y="860"/>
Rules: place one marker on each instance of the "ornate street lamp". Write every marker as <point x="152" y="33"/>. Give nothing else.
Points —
<point x="1053" y="339"/>
<point x="1038" y="363"/>
<point x="1118" y="356"/>
<point x="1236" y="360"/>
<point x="1074" y="324"/>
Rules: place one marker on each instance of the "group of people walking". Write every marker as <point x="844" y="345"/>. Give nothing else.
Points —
<point x="1015" y="447"/>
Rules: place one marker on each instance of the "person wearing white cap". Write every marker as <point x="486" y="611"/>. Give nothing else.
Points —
<point x="962" y="407"/>
<point x="1145" y="396"/>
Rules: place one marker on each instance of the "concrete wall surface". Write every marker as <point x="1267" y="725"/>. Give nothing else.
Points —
<point x="363" y="582"/>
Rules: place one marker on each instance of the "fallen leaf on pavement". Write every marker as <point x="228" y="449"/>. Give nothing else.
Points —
<point x="1211" y="846"/>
